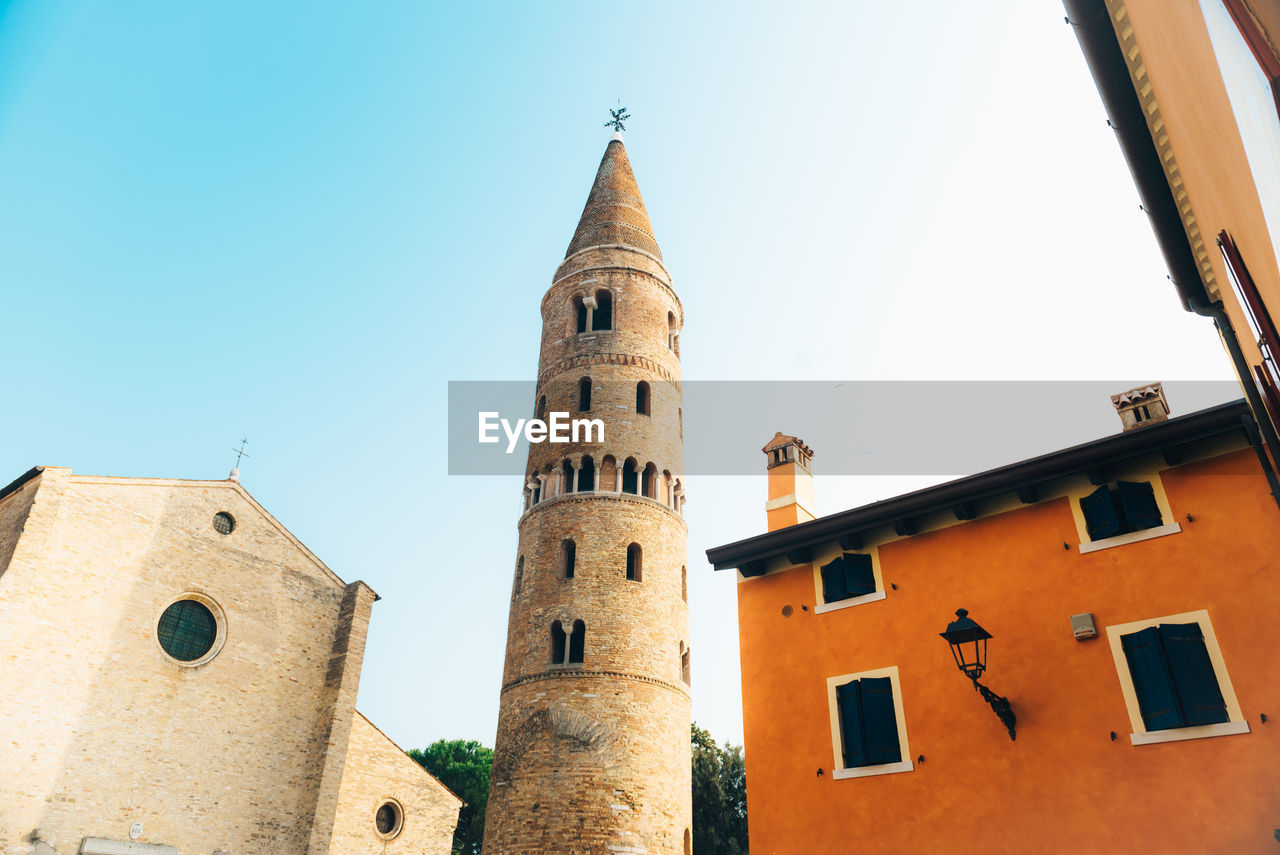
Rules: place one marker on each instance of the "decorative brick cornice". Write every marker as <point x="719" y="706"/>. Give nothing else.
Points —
<point x="618" y="268"/>
<point x="562" y="673"/>
<point x="608" y="246"/>
<point x="606" y="359"/>
<point x="567" y="498"/>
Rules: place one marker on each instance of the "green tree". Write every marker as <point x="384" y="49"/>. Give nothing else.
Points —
<point x="462" y="765"/>
<point x="719" y="797"/>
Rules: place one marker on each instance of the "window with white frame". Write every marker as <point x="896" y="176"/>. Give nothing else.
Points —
<point x="868" y="730"/>
<point x="848" y="579"/>
<point x="1126" y="507"/>
<point x="850" y="575"/>
<point x="1122" y="512"/>
<point x="1174" y="680"/>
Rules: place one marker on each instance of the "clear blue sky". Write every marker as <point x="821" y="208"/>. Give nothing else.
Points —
<point x="296" y="221"/>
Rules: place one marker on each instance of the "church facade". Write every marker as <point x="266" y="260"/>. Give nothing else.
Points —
<point x="592" y="753"/>
<point x="181" y="677"/>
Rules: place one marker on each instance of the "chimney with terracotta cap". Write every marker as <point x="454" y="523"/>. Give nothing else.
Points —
<point x="1141" y="406"/>
<point x="790" y="481"/>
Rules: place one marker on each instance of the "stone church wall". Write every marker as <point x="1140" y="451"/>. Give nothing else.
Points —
<point x="376" y="771"/>
<point x="13" y="517"/>
<point x="103" y="730"/>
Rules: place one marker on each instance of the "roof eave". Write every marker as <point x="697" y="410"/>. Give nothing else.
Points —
<point x="1033" y="471"/>
<point x="1103" y="54"/>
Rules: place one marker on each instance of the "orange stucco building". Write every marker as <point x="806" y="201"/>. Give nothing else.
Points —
<point x="1148" y="736"/>
<point x="1192" y="91"/>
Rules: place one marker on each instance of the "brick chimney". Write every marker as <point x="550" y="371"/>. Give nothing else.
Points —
<point x="1141" y="406"/>
<point x="790" y="482"/>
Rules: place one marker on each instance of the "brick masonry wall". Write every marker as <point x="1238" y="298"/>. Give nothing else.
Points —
<point x="594" y="757"/>
<point x="634" y="350"/>
<point x="338" y="710"/>
<point x="13" y="517"/>
<point x="590" y="763"/>
<point x="377" y="770"/>
<point x="654" y="438"/>
<point x="109" y="730"/>
<point x="642" y="301"/>
<point x="632" y="626"/>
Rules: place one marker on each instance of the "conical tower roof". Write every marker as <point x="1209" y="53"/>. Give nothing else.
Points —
<point x="615" y="212"/>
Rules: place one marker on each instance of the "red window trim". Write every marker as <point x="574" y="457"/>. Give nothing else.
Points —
<point x="1270" y="398"/>
<point x="1257" y="42"/>
<point x="1251" y="303"/>
<point x="1248" y="291"/>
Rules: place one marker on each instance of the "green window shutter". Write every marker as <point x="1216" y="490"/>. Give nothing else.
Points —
<point x="879" y="723"/>
<point x="849" y="703"/>
<point x="1151" y="680"/>
<point x="859" y="577"/>
<point x="1100" y="514"/>
<point x="833" y="582"/>
<point x="1138" y="501"/>
<point x="1193" y="674"/>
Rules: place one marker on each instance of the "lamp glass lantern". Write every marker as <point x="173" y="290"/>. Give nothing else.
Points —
<point x="968" y="643"/>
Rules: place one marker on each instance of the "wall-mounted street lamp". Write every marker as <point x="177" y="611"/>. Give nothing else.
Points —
<point x="969" y="648"/>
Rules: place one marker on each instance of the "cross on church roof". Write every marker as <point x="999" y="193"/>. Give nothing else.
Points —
<point x="620" y="115"/>
<point x="240" y="452"/>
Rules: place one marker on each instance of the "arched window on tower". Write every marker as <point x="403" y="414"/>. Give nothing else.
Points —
<point x="584" y="394"/>
<point x="634" y="562"/>
<point x="673" y="334"/>
<point x="541" y="411"/>
<point x="649" y="481"/>
<point x="684" y="584"/>
<point x="577" y="643"/>
<point x="630" y="477"/>
<point x="642" y="398"/>
<point x="519" y="573"/>
<point x="568" y="557"/>
<point x="557" y="644"/>
<point x="685" y="674"/>
<point x="587" y="476"/>
<point x="609" y="474"/>
<point x="580" y="309"/>
<point x="566" y="477"/>
<point x="602" y="318"/>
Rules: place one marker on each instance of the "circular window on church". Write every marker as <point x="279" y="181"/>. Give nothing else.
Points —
<point x="223" y="522"/>
<point x="389" y="819"/>
<point x="191" y="629"/>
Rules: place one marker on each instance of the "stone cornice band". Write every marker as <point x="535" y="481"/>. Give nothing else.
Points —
<point x="582" y="672"/>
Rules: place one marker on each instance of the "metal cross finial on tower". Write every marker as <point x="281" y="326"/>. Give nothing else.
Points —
<point x="240" y="452"/>
<point x="620" y="115"/>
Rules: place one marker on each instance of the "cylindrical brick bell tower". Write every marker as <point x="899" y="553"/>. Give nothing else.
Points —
<point x="592" y="750"/>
